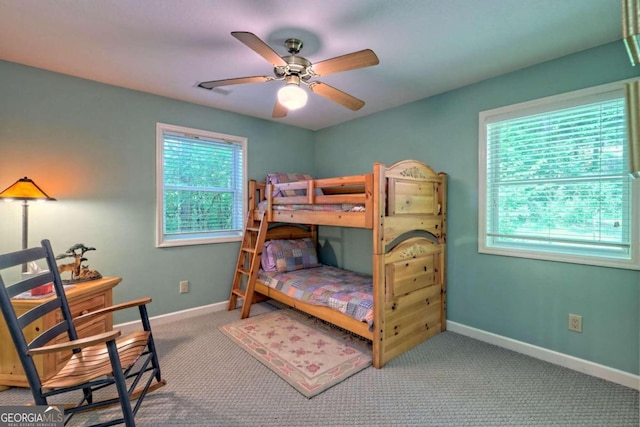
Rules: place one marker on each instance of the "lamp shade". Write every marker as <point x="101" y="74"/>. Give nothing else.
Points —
<point x="631" y="29"/>
<point x="292" y="96"/>
<point x="24" y="189"/>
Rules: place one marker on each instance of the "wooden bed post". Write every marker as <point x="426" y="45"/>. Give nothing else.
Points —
<point x="370" y="190"/>
<point x="269" y="196"/>
<point x="442" y="200"/>
<point x="253" y="193"/>
<point x="378" y="264"/>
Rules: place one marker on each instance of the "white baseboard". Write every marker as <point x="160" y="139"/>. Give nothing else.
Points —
<point x="594" y="369"/>
<point x="172" y="317"/>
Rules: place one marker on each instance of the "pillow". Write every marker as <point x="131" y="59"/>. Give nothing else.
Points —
<point x="281" y="178"/>
<point x="289" y="255"/>
<point x="268" y="261"/>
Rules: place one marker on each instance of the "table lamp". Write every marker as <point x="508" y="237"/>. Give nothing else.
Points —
<point x="24" y="189"/>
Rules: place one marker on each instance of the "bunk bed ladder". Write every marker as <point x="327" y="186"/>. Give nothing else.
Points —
<point x="248" y="264"/>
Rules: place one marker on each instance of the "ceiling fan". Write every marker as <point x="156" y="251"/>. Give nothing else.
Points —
<point x="295" y="70"/>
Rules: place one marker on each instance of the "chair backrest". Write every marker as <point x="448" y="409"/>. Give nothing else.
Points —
<point x="18" y="326"/>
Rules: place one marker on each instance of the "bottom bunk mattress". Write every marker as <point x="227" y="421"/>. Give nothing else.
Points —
<point x="346" y="291"/>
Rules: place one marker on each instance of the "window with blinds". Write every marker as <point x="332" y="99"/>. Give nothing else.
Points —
<point x="200" y="186"/>
<point x="554" y="180"/>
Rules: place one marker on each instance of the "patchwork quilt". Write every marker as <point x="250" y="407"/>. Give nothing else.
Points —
<point x="346" y="291"/>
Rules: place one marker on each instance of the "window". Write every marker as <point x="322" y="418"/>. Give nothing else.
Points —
<point x="200" y="186"/>
<point x="554" y="181"/>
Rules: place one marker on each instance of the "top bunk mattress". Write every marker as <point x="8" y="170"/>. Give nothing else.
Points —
<point x="294" y="192"/>
<point x="342" y="207"/>
<point x="346" y="291"/>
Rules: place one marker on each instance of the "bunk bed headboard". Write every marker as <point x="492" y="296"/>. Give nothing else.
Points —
<point x="281" y="231"/>
<point x="415" y="200"/>
<point x="410" y="303"/>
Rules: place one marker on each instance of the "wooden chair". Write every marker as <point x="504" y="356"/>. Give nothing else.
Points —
<point x="129" y="364"/>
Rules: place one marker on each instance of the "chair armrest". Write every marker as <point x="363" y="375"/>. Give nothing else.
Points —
<point x="79" y="343"/>
<point x="121" y="306"/>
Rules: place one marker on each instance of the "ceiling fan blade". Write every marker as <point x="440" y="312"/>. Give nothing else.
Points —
<point x="260" y="47"/>
<point x="279" y="111"/>
<point x="350" y="61"/>
<point x="336" y="95"/>
<point x="237" y="81"/>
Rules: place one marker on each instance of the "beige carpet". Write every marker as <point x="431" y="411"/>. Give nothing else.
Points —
<point x="447" y="381"/>
<point x="307" y="353"/>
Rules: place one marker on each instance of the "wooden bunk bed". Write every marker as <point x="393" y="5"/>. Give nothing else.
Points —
<point x="405" y="207"/>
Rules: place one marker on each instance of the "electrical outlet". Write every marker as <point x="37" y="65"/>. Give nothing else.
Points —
<point x="184" y="286"/>
<point x="575" y="323"/>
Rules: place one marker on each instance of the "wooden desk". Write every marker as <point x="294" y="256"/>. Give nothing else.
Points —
<point x="83" y="298"/>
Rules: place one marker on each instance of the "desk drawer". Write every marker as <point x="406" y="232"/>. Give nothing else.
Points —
<point x="84" y="306"/>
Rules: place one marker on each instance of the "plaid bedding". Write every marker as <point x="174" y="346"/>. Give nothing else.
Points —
<point x="281" y="178"/>
<point x="289" y="255"/>
<point x="346" y="291"/>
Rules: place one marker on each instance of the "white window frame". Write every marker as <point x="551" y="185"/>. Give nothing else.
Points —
<point x="163" y="240"/>
<point x="551" y="103"/>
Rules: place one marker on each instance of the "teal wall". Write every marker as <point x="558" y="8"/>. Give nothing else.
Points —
<point x="527" y="300"/>
<point x="92" y="146"/>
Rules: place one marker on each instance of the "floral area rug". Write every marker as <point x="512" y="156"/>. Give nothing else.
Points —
<point x="307" y="353"/>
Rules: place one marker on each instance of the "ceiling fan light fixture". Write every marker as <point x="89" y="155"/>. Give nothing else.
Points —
<point x="294" y="69"/>
<point x="292" y="96"/>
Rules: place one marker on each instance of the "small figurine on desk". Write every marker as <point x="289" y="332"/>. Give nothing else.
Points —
<point x="79" y="272"/>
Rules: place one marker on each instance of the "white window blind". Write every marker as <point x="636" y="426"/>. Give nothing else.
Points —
<point x="556" y="181"/>
<point x="201" y="190"/>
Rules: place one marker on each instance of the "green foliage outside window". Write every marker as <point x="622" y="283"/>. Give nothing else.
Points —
<point x="202" y="185"/>
<point x="197" y="211"/>
<point x="560" y="177"/>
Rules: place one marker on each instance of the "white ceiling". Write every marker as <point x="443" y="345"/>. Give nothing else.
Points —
<point x="426" y="47"/>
